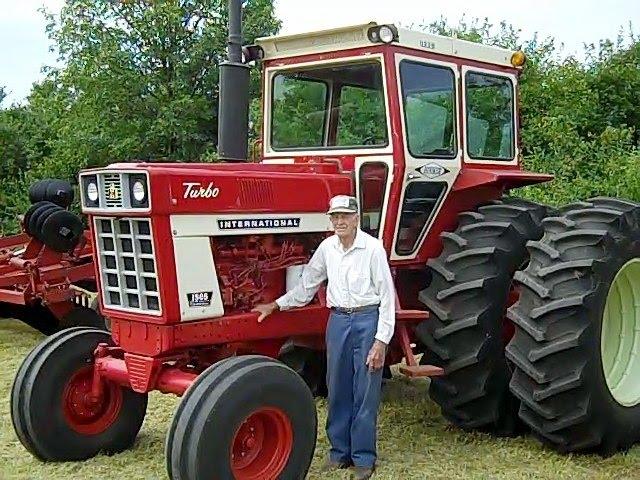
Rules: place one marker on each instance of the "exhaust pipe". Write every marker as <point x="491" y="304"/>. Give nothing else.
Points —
<point x="233" y="96"/>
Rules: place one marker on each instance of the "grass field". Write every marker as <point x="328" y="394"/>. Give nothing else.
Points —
<point x="414" y="441"/>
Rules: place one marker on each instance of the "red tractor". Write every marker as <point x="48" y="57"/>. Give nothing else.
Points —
<point x="47" y="277"/>
<point x="423" y="129"/>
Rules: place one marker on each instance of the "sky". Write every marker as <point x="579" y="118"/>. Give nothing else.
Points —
<point x="24" y="46"/>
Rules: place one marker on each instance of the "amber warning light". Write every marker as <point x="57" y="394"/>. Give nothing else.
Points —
<point x="518" y="58"/>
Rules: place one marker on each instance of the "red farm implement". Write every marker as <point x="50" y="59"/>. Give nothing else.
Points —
<point x="47" y="273"/>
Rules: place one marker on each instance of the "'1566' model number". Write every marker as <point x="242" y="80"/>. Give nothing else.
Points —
<point x="199" y="299"/>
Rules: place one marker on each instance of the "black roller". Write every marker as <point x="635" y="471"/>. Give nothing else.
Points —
<point x="38" y="191"/>
<point x="28" y="215"/>
<point x="42" y="217"/>
<point x="59" y="192"/>
<point x="61" y="231"/>
<point x="30" y="224"/>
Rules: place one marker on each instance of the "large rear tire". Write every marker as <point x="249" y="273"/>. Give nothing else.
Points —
<point x="467" y="297"/>
<point x="51" y="411"/>
<point x="577" y="322"/>
<point x="248" y="418"/>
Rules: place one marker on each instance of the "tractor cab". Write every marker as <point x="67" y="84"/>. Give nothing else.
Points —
<point x="406" y="113"/>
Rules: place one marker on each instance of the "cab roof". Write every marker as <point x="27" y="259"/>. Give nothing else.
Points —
<point x="355" y="36"/>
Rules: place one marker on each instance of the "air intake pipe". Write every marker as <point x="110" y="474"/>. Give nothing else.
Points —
<point x="233" y="98"/>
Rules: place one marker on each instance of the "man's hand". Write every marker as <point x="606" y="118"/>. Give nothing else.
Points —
<point x="265" y="309"/>
<point x="377" y="354"/>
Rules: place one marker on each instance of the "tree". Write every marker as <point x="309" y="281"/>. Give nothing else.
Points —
<point x="140" y="79"/>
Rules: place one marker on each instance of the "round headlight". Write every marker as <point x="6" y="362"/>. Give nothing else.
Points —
<point x="386" y="34"/>
<point x="138" y="191"/>
<point x="92" y="192"/>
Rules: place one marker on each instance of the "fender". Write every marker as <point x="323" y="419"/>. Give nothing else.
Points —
<point x="501" y="178"/>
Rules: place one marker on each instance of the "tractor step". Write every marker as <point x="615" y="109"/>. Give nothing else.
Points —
<point x="419" y="315"/>
<point x="416" y="371"/>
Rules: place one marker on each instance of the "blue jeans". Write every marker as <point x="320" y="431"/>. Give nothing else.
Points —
<point x="354" y="391"/>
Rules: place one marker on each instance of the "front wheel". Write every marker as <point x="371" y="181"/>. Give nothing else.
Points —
<point x="51" y="409"/>
<point x="248" y="418"/>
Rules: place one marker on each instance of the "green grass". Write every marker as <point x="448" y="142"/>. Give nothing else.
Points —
<point x="415" y="442"/>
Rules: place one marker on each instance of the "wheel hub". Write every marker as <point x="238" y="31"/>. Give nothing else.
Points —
<point x="262" y="445"/>
<point x="620" y="336"/>
<point x="84" y="413"/>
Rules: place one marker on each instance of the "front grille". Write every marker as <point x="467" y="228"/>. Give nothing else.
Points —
<point x="113" y="190"/>
<point x="127" y="264"/>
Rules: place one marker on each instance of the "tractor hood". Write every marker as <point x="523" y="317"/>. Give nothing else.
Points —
<point x="211" y="188"/>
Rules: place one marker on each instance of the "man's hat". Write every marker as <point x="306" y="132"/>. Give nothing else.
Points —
<point x="343" y="204"/>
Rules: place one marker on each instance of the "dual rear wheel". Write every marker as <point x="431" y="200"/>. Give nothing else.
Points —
<point x="576" y="347"/>
<point x="571" y="367"/>
<point x="469" y="292"/>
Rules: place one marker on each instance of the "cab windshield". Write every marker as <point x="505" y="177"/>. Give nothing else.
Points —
<point x="329" y="107"/>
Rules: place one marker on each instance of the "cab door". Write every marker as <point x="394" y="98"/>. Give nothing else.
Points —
<point x="432" y="151"/>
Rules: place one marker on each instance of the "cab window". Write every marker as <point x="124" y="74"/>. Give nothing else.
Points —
<point x="337" y="106"/>
<point x="428" y="95"/>
<point x="373" y="186"/>
<point x="490" y="117"/>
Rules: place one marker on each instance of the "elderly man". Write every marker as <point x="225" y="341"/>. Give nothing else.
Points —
<point x="361" y="296"/>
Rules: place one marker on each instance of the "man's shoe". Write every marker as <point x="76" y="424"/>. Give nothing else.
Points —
<point x="362" y="473"/>
<point x="332" y="465"/>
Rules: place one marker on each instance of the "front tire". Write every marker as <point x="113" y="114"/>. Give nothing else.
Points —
<point x="577" y="324"/>
<point x="50" y="408"/>
<point x="248" y="418"/>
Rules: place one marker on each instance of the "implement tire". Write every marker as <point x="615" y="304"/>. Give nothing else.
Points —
<point x="310" y="364"/>
<point x="576" y="323"/>
<point x="467" y="298"/>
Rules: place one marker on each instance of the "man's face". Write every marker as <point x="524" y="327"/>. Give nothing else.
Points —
<point x="344" y="224"/>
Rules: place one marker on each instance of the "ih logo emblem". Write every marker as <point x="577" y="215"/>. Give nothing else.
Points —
<point x="113" y="192"/>
<point x="432" y="170"/>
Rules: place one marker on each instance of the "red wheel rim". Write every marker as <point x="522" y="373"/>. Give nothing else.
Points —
<point x="82" y="413"/>
<point x="261" y="445"/>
